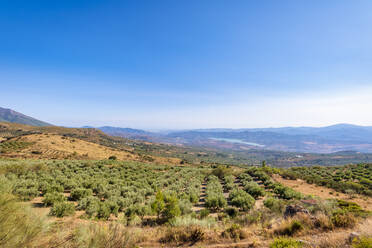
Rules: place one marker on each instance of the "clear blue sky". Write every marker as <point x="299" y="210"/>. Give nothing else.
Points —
<point x="187" y="64"/>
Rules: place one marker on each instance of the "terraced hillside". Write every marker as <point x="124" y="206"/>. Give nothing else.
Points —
<point x="23" y="141"/>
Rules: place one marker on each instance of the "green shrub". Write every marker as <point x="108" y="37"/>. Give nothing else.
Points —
<point x="171" y="208"/>
<point x="221" y="172"/>
<point x="234" y="232"/>
<point x="362" y="242"/>
<point x="49" y="188"/>
<point x="290" y="229"/>
<point x="232" y="212"/>
<point x="254" y="189"/>
<point x="286" y="192"/>
<point x="342" y="218"/>
<point x="26" y="194"/>
<point x="274" y="204"/>
<point x="215" y="201"/>
<point x="241" y="199"/>
<point x="61" y="209"/>
<point x="51" y="198"/>
<point x="185" y="206"/>
<point x="79" y="193"/>
<point x="204" y="213"/>
<point x="103" y="211"/>
<point x="285" y="243"/>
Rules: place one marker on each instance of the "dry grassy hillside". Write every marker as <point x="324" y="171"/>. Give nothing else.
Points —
<point x="23" y="141"/>
<point x="54" y="146"/>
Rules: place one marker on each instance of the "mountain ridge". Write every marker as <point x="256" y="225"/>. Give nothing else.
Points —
<point x="9" y="115"/>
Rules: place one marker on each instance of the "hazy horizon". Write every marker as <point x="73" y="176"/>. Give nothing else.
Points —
<point x="188" y="64"/>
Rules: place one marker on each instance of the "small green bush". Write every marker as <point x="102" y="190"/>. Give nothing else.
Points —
<point x="290" y="229"/>
<point x="103" y="211"/>
<point x="61" y="209"/>
<point x="342" y="218"/>
<point x="274" y="204"/>
<point x="254" y="190"/>
<point x="362" y="242"/>
<point x="241" y="199"/>
<point x="285" y="243"/>
<point x="232" y="212"/>
<point x="51" y="198"/>
<point x="204" y="213"/>
<point x="77" y="194"/>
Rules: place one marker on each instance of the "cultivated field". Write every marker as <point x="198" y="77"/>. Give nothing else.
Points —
<point x="109" y="203"/>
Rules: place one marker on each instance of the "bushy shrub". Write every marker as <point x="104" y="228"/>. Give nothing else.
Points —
<point x="171" y="208"/>
<point x="362" y="242"/>
<point x="289" y="228"/>
<point x="86" y="202"/>
<point x="342" y="218"/>
<point x="185" y="206"/>
<point x="103" y="211"/>
<point x="286" y="193"/>
<point x="234" y="232"/>
<point x="51" y="198"/>
<point x="61" y="209"/>
<point x="274" y="204"/>
<point x="232" y="212"/>
<point x="26" y="194"/>
<point x="215" y="201"/>
<point x="285" y="243"/>
<point x="203" y="213"/>
<point x="49" y="188"/>
<point x="241" y="199"/>
<point x="254" y="189"/>
<point x="221" y="172"/>
<point x="79" y="193"/>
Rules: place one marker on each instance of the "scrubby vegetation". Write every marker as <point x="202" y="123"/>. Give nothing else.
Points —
<point x="167" y="201"/>
<point x="348" y="179"/>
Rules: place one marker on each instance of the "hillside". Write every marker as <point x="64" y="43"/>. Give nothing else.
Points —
<point x="129" y="133"/>
<point x="8" y="115"/>
<point x="53" y="146"/>
<point x="52" y="142"/>
<point x="171" y="153"/>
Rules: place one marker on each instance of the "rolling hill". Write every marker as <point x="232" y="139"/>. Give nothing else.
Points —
<point x="52" y="142"/>
<point x="9" y="115"/>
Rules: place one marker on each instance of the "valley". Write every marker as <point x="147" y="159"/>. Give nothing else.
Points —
<point x="81" y="187"/>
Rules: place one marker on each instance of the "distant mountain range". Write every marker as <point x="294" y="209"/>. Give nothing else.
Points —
<point x="8" y="115"/>
<point x="340" y="137"/>
<point x="331" y="139"/>
<point x="129" y="133"/>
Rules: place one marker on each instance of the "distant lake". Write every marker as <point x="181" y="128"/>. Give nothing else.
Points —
<point x="238" y="141"/>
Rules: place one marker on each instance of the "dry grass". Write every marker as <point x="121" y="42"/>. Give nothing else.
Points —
<point x="60" y="147"/>
<point x="79" y="143"/>
<point x="18" y="226"/>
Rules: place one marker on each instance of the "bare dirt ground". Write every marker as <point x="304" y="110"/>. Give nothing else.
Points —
<point x="323" y="192"/>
